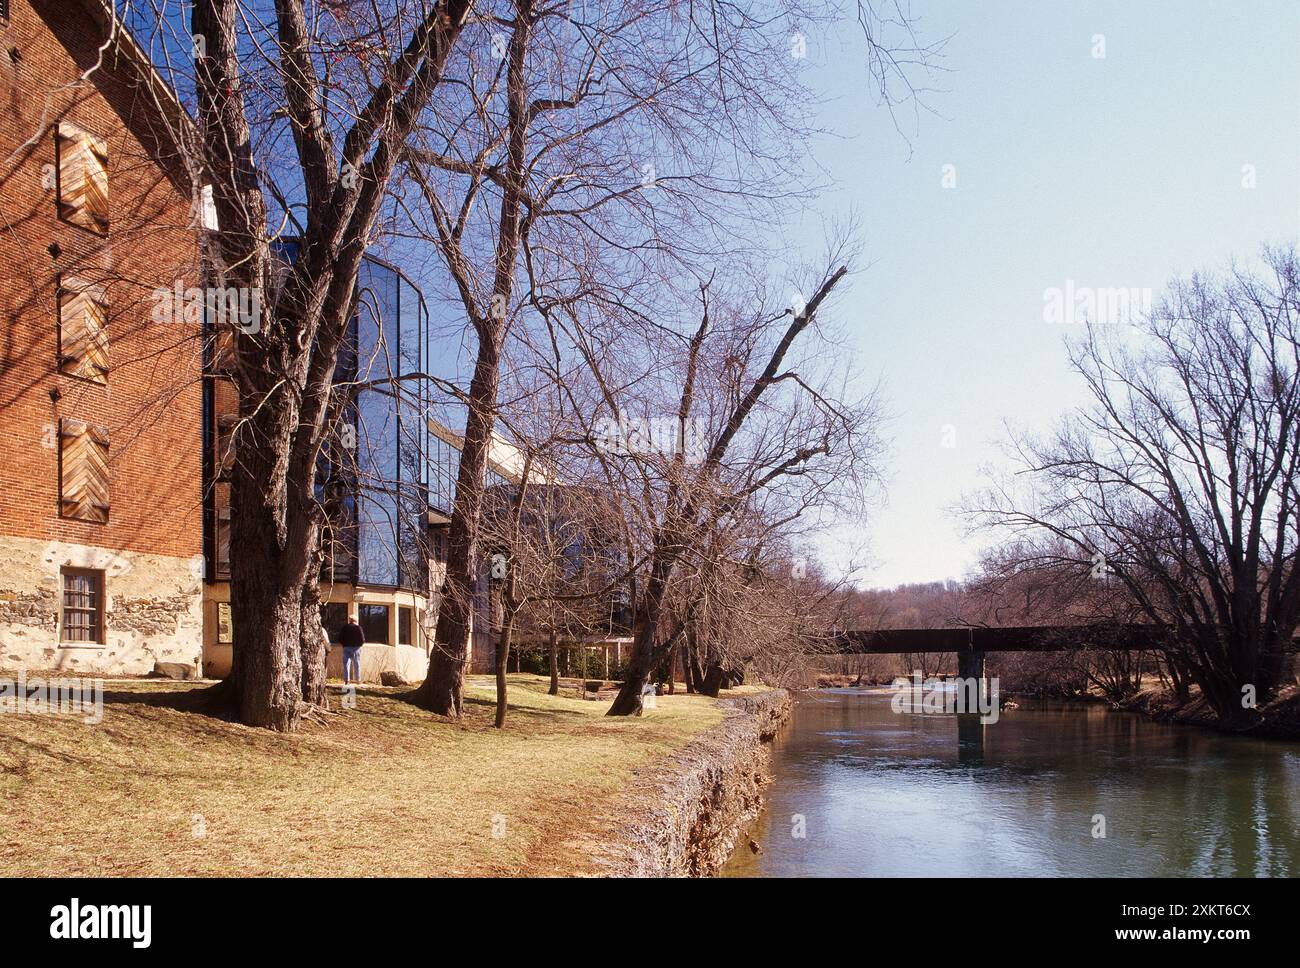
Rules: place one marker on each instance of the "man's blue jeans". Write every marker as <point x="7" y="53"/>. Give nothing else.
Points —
<point x="352" y="661"/>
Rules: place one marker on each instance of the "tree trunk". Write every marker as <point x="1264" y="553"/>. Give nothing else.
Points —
<point x="444" y="687"/>
<point x="694" y="672"/>
<point x="266" y="681"/>
<point x="1178" y="676"/>
<point x="503" y="657"/>
<point x="443" y="691"/>
<point x="1271" y="660"/>
<point x="639" y="667"/>
<point x="553" y="652"/>
<point x="313" y="642"/>
<point x="641" y="662"/>
<point x="713" y="679"/>
<point x="664" y="671"/>
<point x="275" y="542"/>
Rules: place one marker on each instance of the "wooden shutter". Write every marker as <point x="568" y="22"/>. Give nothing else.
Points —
<point x="83" y="178"/>
<point x="83" y="462"/>
<point x="83" y="335"/>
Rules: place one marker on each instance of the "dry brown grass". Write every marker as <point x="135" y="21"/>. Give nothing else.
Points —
<point x="385" y="789"/>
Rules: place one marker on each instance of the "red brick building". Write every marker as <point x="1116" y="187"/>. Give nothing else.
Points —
<point x="101" y="564"/>
<point x="116" y="442"/>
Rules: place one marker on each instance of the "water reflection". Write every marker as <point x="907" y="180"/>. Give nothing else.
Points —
<point x="888" y="794"/>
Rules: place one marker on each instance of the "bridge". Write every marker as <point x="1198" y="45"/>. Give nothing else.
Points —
<point x="971" y="643"/>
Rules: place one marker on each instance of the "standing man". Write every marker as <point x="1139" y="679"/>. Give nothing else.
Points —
<point x="352" y="639"/>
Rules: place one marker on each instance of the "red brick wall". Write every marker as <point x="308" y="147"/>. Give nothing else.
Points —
<point x="151" y="404"/>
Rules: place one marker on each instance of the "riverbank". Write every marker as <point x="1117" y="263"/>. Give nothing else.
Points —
<point x="1279" y="719"/>
<point x="684" y="817"/>
<point x="159" y="788"/>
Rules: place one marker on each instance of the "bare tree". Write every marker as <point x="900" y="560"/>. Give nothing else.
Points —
<point x="682" y="500"/>
<point x="1023" y="583"/>
<point x="533" y="170"/>
<point x="345" y="91"/>
<point x="593" y="156"/>
<point x="555" y="563"/>
<point x="1179" y="482"/>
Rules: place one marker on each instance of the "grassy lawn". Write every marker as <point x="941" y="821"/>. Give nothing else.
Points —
<point x="385" y="789"/>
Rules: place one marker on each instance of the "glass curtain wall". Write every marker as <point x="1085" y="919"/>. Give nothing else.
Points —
<point x="390" y="335"/>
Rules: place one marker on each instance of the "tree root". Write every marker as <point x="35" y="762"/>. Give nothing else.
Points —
<point x="312" y="713"/>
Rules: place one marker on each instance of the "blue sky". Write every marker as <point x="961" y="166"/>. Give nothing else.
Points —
<point x="1114" y="172"/>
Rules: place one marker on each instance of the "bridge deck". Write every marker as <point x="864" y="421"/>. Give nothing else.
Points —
<point x="1025" y="638"/>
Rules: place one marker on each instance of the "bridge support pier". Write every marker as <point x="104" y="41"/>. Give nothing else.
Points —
<point x="970" y="738"/>
<point x="970" y="727"/>
<point x="970" y="664"/>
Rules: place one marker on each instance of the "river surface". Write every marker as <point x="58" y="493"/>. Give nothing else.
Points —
<point x="883" y="793"/>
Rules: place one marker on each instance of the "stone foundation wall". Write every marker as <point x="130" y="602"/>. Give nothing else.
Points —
<point x="684" y="818"/>
<point x="154" y="608"/>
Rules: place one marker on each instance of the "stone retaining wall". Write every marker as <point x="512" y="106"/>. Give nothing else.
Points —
<point x="684" y="817"/>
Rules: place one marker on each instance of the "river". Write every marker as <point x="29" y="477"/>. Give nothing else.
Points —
<point x="862" y="790"/>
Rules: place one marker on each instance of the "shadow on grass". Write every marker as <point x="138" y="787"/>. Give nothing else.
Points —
<point x="212" y="701"/>
<point x="215" y="700"/>
<point x="526" y="712"/>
